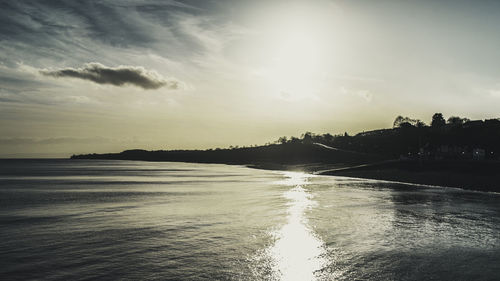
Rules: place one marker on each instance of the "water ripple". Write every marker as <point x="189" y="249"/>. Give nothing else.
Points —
<point x="297" y="251"/>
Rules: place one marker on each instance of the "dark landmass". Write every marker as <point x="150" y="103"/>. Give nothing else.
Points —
<point x="269" y="156"/>
<point x="458" y="153"/>
<point x="473" y="175"/>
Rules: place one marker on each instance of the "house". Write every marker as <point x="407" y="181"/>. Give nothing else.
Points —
<point x="473" y="124"/>
<point x="478" y="154"/>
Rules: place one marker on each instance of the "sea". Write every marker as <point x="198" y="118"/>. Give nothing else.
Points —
<point x="64" y="219"/>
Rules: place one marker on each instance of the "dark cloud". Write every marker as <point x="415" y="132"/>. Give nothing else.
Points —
<point x="118" y="76"/>
<point x="35" y="30"/>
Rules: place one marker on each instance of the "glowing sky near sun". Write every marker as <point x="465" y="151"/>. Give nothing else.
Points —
<point x="99" y="76"/>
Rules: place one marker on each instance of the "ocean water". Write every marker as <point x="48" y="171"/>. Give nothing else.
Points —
<point x="88" y="219"/>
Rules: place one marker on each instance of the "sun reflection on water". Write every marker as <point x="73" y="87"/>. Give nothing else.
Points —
<point x="297" y="252"/>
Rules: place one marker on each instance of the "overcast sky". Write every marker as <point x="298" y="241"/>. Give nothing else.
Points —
<point x="103" y="76"/>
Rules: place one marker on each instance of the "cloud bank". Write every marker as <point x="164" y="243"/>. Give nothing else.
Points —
<point x="117" y="76"/>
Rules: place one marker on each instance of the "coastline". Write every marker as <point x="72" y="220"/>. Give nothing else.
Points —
<point x="479" y="176"/>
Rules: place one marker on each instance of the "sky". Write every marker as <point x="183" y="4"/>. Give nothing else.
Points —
<point x="105" y="76"/>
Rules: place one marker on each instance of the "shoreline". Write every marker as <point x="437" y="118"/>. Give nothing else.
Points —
<point x="477" y="176"/>
<point x="318" y="159"/>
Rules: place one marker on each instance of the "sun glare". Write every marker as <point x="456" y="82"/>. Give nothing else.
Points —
<point x="295" y="42"/>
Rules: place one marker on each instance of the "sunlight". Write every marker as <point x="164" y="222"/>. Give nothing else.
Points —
<point x="295" y="41"/>
<point x="297" y="251"/>
<point x="295" y="179"/>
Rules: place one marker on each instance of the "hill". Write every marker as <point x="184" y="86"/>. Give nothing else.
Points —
<point x="268" y="156"/>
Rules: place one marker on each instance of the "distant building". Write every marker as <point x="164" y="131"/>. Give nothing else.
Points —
<point x="478" y="154"/>
<point x="473" y="124"/>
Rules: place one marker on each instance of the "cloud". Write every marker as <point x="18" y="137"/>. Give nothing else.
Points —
<point x="118" y="76"/>
<point x="39" y="31"/>
<point x="494" y="93"/>
<point x="364" y="94"/>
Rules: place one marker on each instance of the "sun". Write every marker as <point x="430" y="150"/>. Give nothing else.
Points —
<point x="295" y="62"/>
<point x="294" y="41"/>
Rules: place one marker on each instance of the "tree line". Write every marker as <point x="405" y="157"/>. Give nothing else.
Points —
<point x="412" y="136"/>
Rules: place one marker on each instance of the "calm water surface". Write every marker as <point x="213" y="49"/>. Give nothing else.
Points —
<point x="86" y="219"/>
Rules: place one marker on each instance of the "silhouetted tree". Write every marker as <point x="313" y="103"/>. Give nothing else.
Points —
<point x="420" y="124"/>
<point x="406" y="122"/>
<point x="282" y="140"/>
<point x="406" y="125"/>
<point x="437" y="120"/>
<point x="307" y="137"/>
<point x="457" y="121"/>
<point x="328" y="138"/>
<point x="398" y="121"/>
